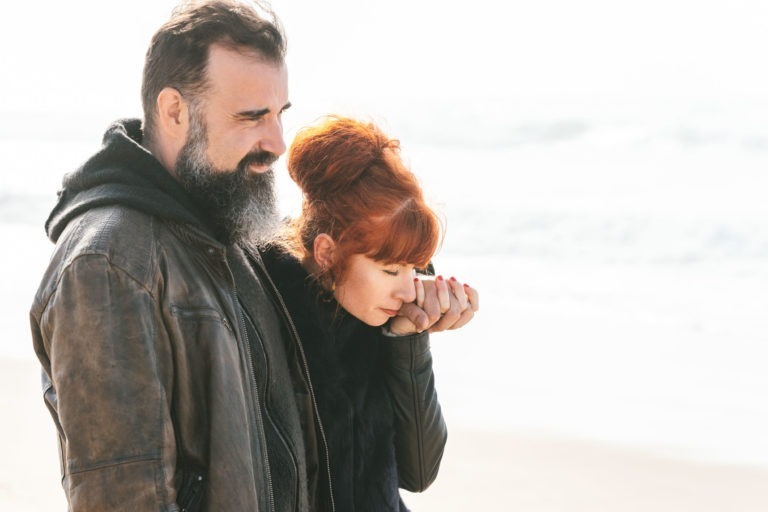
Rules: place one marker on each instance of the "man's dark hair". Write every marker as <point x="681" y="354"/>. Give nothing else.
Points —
<point x="178" y="53"/>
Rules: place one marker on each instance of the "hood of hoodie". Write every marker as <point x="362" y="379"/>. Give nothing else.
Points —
<point x="123" y="173"/>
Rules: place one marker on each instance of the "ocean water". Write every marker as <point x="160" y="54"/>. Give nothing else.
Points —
<point x="621" y="255"/>
<point x="623" y="266"/>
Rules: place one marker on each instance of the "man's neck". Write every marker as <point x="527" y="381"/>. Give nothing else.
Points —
<point x="164" y="154"/>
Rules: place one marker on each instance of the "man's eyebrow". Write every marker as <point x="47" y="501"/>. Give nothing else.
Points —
<point x="251" y="115"/>
<point x="255" y="115"/>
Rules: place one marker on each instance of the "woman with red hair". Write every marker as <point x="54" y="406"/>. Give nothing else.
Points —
<point x="347" y="271"/>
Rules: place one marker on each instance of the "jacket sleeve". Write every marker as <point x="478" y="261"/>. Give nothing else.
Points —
<point x="420" y="431"/>
<point x="107" y="382"/>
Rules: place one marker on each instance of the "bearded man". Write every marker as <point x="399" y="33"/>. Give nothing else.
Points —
<point x="167" y="366"/>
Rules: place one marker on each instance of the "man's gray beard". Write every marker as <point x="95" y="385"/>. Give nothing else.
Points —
<point x="241" y="206"/>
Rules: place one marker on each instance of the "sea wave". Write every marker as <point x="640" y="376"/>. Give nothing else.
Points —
<point x="612" y="238"/>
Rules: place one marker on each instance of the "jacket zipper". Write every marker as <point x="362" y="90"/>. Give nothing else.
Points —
<point x="295" y="333"/>
<point x="259" y="417"/>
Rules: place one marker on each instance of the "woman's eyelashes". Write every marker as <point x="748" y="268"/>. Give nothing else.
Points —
<point x="395" y="271"/>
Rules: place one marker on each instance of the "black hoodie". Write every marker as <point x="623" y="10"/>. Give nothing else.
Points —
<point x="123" y="173"/>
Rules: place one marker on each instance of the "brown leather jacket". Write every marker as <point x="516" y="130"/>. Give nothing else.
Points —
<point x="167" y="367"/>
<point x="150" y="379"/>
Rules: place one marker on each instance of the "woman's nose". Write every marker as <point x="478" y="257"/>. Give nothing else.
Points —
<point x="406" y="290"/>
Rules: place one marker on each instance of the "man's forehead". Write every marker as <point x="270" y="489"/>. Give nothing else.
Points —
<point x="236" y="75"/>
<point x="223" y="55"/>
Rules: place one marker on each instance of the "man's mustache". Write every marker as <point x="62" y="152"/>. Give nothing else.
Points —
<point x="260" y="158"/>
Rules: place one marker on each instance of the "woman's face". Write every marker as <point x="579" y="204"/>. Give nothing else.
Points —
<point x="373" y="291"/>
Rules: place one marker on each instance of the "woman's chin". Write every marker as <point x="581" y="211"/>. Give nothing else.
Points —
<point x="379" y="321"/>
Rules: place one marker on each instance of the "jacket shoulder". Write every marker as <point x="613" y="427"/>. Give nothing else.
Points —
<point x="125" y="237"/>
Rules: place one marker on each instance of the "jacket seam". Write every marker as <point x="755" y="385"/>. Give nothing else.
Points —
<point x="117" y="462"/>
<point x="91" y="252"/>
<point x="109" y="261"/>
<point x="417" y="416"/>
<point x="44" y="310"/>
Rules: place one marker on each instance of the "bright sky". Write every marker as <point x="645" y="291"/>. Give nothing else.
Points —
<point x="87" y="54"/>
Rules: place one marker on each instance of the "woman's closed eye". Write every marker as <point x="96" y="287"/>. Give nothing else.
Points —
<point x="396" y="270"/>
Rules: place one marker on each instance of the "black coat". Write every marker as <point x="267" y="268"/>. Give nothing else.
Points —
<point x="360" y="401"/>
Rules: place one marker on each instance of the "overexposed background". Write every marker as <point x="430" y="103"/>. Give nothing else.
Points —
<point x="601" y="164"/>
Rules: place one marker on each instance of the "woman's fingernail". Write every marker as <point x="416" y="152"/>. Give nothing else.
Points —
<point x="466" y="285"/>
<point x="453" y="279"/>
<point x="439" y="278"/>
<point x="415" y="279"/>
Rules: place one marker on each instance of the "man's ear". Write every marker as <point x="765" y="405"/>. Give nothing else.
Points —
<point x="323" y="250"/>
<point x="172" y="116"/>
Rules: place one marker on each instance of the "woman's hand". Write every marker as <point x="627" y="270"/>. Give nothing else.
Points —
<point x="440" y="305"/>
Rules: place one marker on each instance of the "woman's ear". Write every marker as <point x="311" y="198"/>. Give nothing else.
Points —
<point x="323" y="250"/>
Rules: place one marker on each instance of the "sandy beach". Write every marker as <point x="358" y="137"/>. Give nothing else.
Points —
<point x="495" y="471"/>
<point x="526" y="472"/>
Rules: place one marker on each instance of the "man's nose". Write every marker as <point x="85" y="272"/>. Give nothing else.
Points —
<point x="272" y="139"/>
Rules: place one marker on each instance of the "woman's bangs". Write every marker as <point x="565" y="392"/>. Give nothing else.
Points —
<point x="411" y="237"/>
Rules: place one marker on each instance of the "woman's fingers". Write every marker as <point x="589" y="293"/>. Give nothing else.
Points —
<point x="463" y="319"/>
<point x="419" y="285"/>
<point x="458" y="290"/>
<point x="473" y="297"/>
<point x="448" y="304"/>
<point x="456" y="317"/>
<point x="431" y="302"/>
<point x="443" y="294"/>
<point x="450" y="307"/>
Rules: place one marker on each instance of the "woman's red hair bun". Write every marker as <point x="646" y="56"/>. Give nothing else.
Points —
<point x="357" y="190"/>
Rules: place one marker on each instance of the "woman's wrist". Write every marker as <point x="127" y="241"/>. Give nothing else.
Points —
<point x="400" y="326"/>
